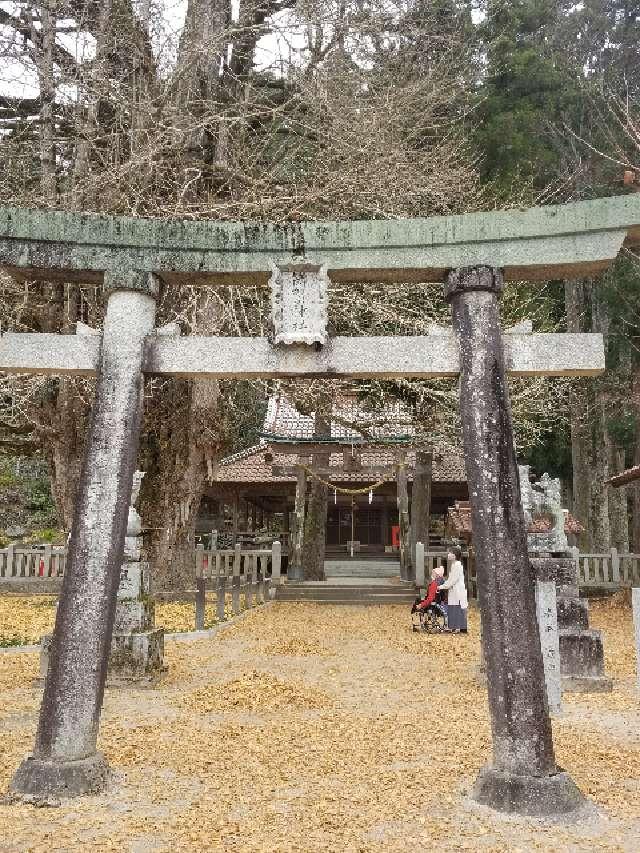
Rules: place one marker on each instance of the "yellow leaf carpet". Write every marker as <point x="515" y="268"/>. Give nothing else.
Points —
<point x="315" y="728"/>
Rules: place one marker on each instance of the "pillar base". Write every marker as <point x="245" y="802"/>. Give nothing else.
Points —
<point x="587" y="684"/>
<point x="137" y="656"/>
<point x="37" y="780"/>
<point x="536" y="796"/>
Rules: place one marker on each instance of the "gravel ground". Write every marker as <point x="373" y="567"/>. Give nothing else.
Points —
<point x="311" y="728"/>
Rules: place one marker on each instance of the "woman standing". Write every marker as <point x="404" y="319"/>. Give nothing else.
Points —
<point x="457" y="593"/>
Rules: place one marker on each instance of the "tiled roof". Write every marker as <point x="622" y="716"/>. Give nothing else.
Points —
<point x="284" y="420"/>
<point x="628" y="476"/>
<point x="458" y="522"/>
<point x="250" y="466"/>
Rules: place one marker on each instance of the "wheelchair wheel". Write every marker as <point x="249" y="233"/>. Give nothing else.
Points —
<point x="434" y="623"/>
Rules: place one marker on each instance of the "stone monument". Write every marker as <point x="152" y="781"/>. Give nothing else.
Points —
<point x="581" y="649"/>
<point x="137" y="647"/>
<point x="546" y="611"/>
<point x="542" y="499"/>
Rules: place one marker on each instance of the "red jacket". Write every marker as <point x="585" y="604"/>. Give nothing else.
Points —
<point x="430" y="597"/>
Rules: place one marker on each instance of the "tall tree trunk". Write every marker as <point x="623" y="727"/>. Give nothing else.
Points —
<point x="178" y="458"/>
<point x="421" y="501"/>
<point x="599" y="493"/>
<point x="600" y="527"/>
<point x="295" y="569"/>
<point x="618" y="509"/>
<point x="315" y="525"/>
<point x="181" y="446"/>
<point x="581" y="485"/>
<point x="635" y="497"/>
<point x="46" y="37"/>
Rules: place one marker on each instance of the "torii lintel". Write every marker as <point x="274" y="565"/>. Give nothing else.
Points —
<point x="556" y="241"/>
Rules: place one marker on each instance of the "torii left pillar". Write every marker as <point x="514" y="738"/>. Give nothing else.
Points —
<point x="65" y="761"/>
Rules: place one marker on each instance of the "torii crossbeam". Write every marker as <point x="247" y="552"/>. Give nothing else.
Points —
<point x="472" y="254"/>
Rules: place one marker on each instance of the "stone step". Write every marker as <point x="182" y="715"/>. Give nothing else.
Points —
<point x="362" y="568"/>
<point x="326" y="593"/>
<point x="573" y="613"/>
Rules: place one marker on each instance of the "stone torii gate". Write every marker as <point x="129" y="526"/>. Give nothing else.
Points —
<point x="472" y="254"/>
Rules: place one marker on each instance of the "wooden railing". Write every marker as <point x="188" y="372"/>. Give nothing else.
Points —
<point x="20" y="563"/>
<point x="609" y="570"/>
<point x="248" y="573"/>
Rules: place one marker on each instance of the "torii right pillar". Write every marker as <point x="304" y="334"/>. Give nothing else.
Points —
<point x="523" y="776"/>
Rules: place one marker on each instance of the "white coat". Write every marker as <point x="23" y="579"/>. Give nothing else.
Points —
<point x="457" y="591"/>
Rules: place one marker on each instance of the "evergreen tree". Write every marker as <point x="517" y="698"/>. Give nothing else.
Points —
<point x="527" y="87"/>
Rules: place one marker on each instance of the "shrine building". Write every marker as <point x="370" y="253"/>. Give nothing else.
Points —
<point x="254" y="491"/>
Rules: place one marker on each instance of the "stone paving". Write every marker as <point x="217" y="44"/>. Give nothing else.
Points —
<point x="309" y="728"/>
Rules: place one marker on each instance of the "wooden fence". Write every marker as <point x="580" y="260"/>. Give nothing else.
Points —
<point x="19" y="563"/>
<point x="249" y="572"/>
<point x="607" y="571"/>
<point x="253" y="567"/>
<point x="604" y="571"/>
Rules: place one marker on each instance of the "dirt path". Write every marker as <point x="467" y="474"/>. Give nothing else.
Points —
<point x="308" y="728"/>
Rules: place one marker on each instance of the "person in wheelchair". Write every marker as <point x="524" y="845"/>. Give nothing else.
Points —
<point x="430" y="613"/>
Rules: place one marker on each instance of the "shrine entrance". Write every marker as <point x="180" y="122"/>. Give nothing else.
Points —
<point x="362" y="524"/>
<point x="473" y="255"/>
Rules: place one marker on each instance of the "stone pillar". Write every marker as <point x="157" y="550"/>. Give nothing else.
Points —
<point x="523" y="776"/>
<point x="419" y="565"/>
<point x="295" y="569"/>
<point x="276" y="562"/>
<point x="64" y="760"/>
<point x="547" y="613"/>
<point x="581" y="647"/>
<point x="403" y="521"/>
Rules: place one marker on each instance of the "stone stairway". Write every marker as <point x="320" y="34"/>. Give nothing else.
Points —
<point x="357" y="580"/>
<point x="366" y="591"/>
<point x="361" y="568"/>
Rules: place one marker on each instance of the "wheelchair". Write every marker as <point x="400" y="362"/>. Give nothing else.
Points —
<point x="431" y="620"/>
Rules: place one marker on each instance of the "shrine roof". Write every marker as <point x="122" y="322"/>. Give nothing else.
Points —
<point x="350" y="419"/>
<point x="249" y="466"/>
